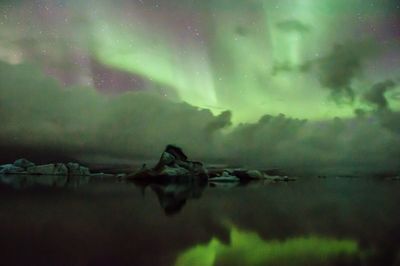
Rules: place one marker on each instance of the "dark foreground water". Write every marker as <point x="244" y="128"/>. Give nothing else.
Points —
<point x="105" y="222"/>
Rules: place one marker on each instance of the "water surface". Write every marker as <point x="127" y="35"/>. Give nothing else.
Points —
<point x="333" y="221"/>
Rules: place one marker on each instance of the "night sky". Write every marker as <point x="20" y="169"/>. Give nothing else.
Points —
<point x="259" y="82"/>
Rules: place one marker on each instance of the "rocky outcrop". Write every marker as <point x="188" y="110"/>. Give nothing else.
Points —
<point x="23" y="163"/>
<point x="173" y="164"/>
<point x="10" y="169"/>
<point x="19" y="166"/>
<point x="48" y="169"/>
<point x="23" y="166"/>
<point x="76" y="169"/>
<point x="226" y="176"/>
<point x="244" y="175"/>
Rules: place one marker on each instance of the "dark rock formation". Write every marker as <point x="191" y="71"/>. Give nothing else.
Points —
<point x="244" y="175"/>
<point x="173" y="166"/>
<point x="23" y="166"/>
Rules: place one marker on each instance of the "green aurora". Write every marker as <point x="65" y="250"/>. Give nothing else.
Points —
<point x="231" y="66"/>
<point x="247" y="248"/>
<point x="251" y="57"/>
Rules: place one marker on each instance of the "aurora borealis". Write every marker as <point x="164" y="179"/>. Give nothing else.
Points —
<point x="240" y="76"/>
<point x="247" y="248"/>
<point x="220" y="55"/>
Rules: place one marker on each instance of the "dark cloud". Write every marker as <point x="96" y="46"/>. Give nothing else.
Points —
<point x="37" y="113"/>
<point x="337" y="70"/>
<point x="223" y="120"/>
<point x="376" y="95"/>
<point x="338" y="145"/>
<point x="391" y="121"/>
<point x="293" y="25"/>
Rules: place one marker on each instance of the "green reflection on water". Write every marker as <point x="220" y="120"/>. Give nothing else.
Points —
<point x="247" y="248"/>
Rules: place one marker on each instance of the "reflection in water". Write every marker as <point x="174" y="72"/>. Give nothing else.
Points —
<point x="173" y="195"/>
<point x="42" y="181"/>
<point x="247" y="248"/>
<point x="102" y="221"/>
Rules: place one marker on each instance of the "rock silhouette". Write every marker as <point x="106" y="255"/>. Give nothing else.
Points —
<point x="173" y="165"/>
<point x="23" y="166"/>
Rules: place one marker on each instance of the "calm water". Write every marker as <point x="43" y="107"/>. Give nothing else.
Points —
<point x="107" y="222"/>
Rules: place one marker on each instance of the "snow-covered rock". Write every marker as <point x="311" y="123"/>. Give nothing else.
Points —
<point x="10" y="169"/>
<point x="225" y="177"/>
<point x="76" y="169"/>
<point x="23" y="163"/>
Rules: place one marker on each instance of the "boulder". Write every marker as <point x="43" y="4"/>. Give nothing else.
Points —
<point x="23" y="163"/>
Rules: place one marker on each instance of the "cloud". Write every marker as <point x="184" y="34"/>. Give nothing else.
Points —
<point x="293" y="25"/>
<point x="222" y="121"/>
<point x="376" y="95"/>
<point x="391" y="121"/>
<point x="344" y="63"/>
<point x="39" y="114"/>
<point x="340" y="145"/>
<point x="337" y="69"/>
